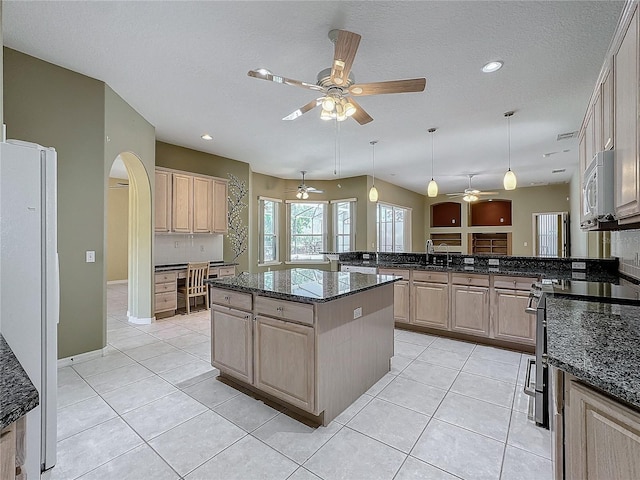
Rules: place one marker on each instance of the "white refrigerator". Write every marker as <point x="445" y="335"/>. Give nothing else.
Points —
<point x="29" y="285"/>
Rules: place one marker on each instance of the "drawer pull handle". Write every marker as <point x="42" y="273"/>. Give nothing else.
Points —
<point x="227" y="298"/>
<point x="280" y="309"/>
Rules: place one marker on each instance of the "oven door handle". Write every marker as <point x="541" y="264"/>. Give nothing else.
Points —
<point x="527" y="382"/>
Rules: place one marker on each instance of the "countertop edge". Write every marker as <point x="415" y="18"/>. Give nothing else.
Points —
<point x="19" y="395"/>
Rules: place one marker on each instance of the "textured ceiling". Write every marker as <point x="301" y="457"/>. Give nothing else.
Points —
<point x="183" y="66"/>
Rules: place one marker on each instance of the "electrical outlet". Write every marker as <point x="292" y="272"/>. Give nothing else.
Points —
<point x="90" y="256"/>
<point x="202" y="248"/>
<point x="469" y="260"/>
<point x="365" y="256"/>
<point x="357" y="313"/>
<point x="578" y="265"/>
<point x="526" y="244"/>
<point x="494" y="261"/>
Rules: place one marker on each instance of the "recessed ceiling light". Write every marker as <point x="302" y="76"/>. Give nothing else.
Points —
<point x="492" y="66"/>
<point x="206" y="136"/>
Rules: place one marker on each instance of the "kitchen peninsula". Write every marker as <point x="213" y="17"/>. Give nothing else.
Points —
<point x="310" y="339"/>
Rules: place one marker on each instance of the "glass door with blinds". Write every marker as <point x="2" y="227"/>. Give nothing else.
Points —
<point x="550" y="234"/>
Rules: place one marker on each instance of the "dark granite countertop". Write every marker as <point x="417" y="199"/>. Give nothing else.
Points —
<point x="598" y="343"/>
<point x="497" y="270"/>
<point x="302" y="284"/>
<point x="182" y="266"/>
<point x="18" y="396"/>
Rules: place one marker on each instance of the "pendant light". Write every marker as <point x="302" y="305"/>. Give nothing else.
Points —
<point x="510" y="182"/>
<point x="373" y="192"/>
<point x="432" y="188"/>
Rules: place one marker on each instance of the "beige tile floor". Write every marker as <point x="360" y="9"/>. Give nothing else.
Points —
<point x="151" y="408"/>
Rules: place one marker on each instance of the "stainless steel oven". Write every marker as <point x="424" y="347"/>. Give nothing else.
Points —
<point x="536" y="384"/>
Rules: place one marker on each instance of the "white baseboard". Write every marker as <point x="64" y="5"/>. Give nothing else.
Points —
<point x="116" y="282"/>
<point x="141" y="320"/>
<point x="80" y="358"/>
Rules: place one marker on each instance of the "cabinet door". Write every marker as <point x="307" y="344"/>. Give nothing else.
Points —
<point x="589" y="137"/>
<point x="627" y="174"/>
<point x="182" y="203"/>
<point x="582" y="157"/>
<point x="202" y="205"/>
<point x="510" y="321"/>
<point x="470" y="310"/>
<point x="232" y="343"/>
<point x="162" y="220"/>
<point x="220" y="206"/>
<point x="401" y="301"/>
<point x="431" y="304"/>
<point x="597" y="121"/>
<point x="602" y="437"/>
<point x="285" y="361"/>
<point x="607" y="111"/>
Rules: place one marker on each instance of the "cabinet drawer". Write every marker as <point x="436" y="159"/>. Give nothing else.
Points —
<point x="227" y="271"/>
<point x="513" y="283"/>
<point x="165" y="277"/>
<point x="230" y="298"/>
<point x="475" y="280"/>
<point x="166" y="301"/>
<point x="433" y="277"/>
<point x="297" y="312"/>
<point x="166" y="287"/>
<point x="393" y="271"/>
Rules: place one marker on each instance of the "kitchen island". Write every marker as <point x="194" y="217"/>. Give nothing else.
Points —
<point x="311" y="340"/>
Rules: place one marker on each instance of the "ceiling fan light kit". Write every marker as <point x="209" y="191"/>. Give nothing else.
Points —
<point x="510" y="181"/>
<point x="337" y="83"/>
<point x="303" y="190"/>
<point x="432" y="188"/>
<point x="373" y="191"/>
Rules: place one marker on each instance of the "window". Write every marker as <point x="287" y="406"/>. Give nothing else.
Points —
<point x="268" y="229"/>
<point x="307" y="231"/>
<point x="394" y="228"/>
<point x="344" y="225"/>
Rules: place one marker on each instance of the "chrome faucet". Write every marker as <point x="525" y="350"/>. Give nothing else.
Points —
<point x="429" y="246"/>
<point x="447" y="251"/>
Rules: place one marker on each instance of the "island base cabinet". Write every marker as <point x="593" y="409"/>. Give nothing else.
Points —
<point x="602" y="437"/>
<point x="431" y="305"/>
<point x="232" y="342"/>
<point x="285" y="361"/>
<point x="511" y="322"/>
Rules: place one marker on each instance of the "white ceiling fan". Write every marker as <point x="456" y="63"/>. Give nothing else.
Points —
<point x="471" y="194"/>
<point x="303" y="190"/>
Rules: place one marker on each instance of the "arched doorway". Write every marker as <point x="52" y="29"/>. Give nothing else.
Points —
<point x="139" y="241"/>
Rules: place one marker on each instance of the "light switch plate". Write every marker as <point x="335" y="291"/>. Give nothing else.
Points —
<point x="578" y="265"/>
<point x="90" y="256"/>
<point x="469" y="260"/>
<point x="494" y="261"/>
<point x="579" y="275"/>
<point x="357" y="313"/>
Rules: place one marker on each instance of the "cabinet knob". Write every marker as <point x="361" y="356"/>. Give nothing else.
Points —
<point x="469" y="279"/>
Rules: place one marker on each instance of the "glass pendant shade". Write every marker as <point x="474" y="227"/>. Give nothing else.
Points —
<point x="299" y="195"/>
<point x="470" y="198"/>
<point x="328" y="104"/>
<point x="432" y="188"/>
<point x="349" y="109"/>
<point x="373" y="194"/>
<point x="510" y="182"/>
<point x="325" y="115"/>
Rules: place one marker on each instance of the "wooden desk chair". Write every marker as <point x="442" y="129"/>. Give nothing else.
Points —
<point x="194" y="285"/>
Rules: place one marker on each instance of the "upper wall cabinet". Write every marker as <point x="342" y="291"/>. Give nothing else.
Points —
<point x="187" y="203"/>
<point x="627" y="163"/>
<point x="163" y="202"/>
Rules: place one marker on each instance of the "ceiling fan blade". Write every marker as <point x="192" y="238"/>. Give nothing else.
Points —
<point x="267" y="75"/>
<point x="304" y="109"/>
<point x="360" y="116"/>
<point x="487" y="193"/>
<point x="393" y="86"/>
<point x="314" y="190"/>
<point x="345" y="52"/>
<point x="461" y="194"/>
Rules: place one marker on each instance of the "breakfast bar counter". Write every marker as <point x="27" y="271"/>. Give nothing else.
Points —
<point x="311" y="340"/>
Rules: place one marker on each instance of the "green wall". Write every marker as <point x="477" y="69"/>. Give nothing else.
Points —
<point x="181" y="158"/>
<point x="56" y="107"/>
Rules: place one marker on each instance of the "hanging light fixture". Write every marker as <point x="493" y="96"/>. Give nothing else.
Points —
<point x="510" y="182"/>
<point x="373" y="192"/>
<point x="432" y="188"/>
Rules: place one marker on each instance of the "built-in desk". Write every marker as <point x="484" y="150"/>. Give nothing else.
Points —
<point x="168" y="277"/>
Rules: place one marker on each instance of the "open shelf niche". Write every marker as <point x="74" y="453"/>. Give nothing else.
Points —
<point x="490" y="243"/>
<point x="453" y="241"/>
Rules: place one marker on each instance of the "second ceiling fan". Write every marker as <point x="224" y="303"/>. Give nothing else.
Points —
<point x="471" y="194"/>
<point x="336" y="84"/>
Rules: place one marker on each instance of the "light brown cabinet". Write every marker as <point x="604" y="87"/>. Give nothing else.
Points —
<point x="165" y="294"/>
<point x="470" y="310"/>
<point x="232" y="342"/>
<point x="602" y="437"/>
<point x="285" y="361"/>
<point x="202" y="205"/>
<point x="627" y="161"/>
<point x="431" y="304"/>
<point x="182" y="203"/>
<point x="163" y="202"/>
<point x="220" y="206"/>
<point x="510" y="321"/>
<point x="401" y="295"/>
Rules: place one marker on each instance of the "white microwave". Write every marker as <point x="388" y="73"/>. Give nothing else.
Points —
<point x="598" y="192"/>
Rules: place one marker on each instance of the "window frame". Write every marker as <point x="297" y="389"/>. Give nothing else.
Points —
<point x="276" y="228"/>
<point x="290" y="236"/>
<point x="406" y="227"/>
<point x="352" y="221"/>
